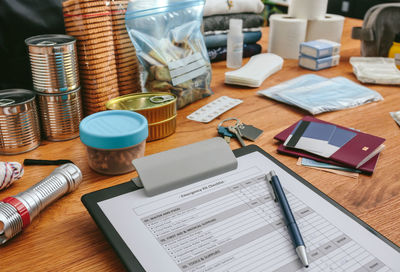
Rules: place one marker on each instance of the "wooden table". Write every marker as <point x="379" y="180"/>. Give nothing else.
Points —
<point x="65" y="238"/>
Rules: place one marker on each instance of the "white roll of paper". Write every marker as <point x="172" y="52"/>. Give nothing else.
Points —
<point x="285" y="35"/>
<point x="308" y="9"/>
<point x="329" y="28"/>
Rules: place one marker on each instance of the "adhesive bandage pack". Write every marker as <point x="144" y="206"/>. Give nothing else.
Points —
<point x="318" y="64"/>
<point x="319" y="48"/>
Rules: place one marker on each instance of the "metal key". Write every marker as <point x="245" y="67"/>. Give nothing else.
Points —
<point x="234" y="130"/>
<point x="225" y="133"/>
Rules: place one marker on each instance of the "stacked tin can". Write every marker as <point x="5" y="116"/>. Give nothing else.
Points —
<point x="55" y="78"/>
<point x="19" y="124"/>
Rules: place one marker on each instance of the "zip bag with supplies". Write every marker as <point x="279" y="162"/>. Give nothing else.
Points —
<point x="170" y="47"/>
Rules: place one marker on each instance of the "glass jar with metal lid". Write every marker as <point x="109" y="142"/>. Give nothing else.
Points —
<point x="158" y="108"/>
<point x="19" y="123"/>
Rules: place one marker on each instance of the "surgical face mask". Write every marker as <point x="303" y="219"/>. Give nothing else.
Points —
<point x="274" y="91"/>
<point x="318" y="94"/>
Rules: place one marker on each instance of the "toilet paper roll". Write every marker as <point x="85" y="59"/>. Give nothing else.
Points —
<point x="285" y="35"/>
<point x="330" y="28"/>
<point x="308" y="9"/>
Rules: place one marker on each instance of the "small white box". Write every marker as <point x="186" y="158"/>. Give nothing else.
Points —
<point x="320" y="48"/>
<point x="318" y="64"/>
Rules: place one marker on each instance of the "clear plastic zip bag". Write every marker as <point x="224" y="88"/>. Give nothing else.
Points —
<point x="170" y="47"/>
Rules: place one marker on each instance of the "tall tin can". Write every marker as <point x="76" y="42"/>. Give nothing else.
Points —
<point x="54" y="63"/>
<point x="60" y="115"/>
<point x="19" y="124"/>
<point x="158" y="108"/>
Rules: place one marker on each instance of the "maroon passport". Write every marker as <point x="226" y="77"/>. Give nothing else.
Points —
<point x="349" y="154"/>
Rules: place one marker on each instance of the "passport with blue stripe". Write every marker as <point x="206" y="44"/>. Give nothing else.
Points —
<point x="328" y="142"/>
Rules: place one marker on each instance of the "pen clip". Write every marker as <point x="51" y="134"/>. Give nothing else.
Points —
<point x="268" y="177"/>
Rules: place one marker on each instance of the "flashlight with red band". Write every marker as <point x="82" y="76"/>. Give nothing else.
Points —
<point x="18" y="211"/>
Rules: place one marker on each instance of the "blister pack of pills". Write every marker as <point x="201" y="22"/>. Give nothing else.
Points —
<point x="209" y="112"/>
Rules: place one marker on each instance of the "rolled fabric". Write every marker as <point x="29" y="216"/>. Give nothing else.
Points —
<point x="285" y="35"/>
<point x="10" y="172"/>
<point x="221" y="39"/>
<point x="221" y="22"/>
<point x="219" y="53"/>
<point x="214" y="7"/>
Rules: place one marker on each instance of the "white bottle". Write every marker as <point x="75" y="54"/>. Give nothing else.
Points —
<point x="234" y="53"/>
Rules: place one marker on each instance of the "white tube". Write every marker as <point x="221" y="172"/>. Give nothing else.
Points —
<point x="234" y="54"/>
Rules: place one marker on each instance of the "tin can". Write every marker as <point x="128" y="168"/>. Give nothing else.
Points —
<point x="158" y="108"/>
<point x="19" y="123"/>
<point x="60" y="115"/>
<point x="54" y="63"/>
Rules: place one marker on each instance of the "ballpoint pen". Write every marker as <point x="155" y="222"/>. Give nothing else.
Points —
<point x="279" y="195"/>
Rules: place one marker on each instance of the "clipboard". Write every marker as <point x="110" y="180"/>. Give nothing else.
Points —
<point x="91" y="201"/>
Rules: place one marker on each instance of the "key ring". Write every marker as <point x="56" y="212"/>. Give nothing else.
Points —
<point x="237" y="124"/>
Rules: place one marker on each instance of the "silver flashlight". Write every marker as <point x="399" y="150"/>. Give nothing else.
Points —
<point x="18" y="211"/>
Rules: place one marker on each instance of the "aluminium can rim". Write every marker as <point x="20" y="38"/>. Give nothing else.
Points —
<point x="61" y="93"/>
<point x="136" y="96"/>
<point x="15" y="97"/>
<point x="47" y="40"/>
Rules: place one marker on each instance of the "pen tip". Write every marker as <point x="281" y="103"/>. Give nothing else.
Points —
<point x="306" y="266"/>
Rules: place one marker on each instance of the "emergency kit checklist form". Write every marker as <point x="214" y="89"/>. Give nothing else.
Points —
<point x="231" y="223"/>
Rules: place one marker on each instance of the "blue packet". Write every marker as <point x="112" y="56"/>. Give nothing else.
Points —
<point x="319" y="48"/>
<point x="318" y="64"/>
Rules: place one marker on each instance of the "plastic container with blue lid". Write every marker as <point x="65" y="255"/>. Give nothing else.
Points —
<point x="113" y="139"/>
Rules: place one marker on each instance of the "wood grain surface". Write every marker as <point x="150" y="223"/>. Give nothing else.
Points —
<point x="65" y="238"/>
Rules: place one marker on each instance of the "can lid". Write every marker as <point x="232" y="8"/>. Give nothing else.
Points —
<point x="49" y="40"/>
<point x="13" y="97"/>
<point x="113" y="129"/>
<point x="140" y="101"/>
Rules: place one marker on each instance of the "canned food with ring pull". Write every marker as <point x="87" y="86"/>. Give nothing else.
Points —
<point x="158" y="108"/>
